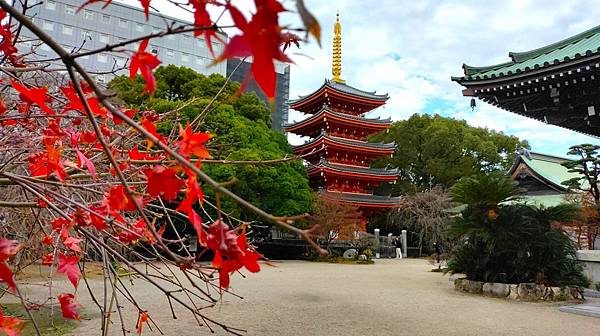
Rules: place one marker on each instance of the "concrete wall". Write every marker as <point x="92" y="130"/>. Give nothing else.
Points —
<point x="591" y="263"/>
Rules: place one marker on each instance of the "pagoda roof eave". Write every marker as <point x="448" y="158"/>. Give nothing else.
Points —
<point x="376" y="123"/>
<point x="343" y="89"/>
<point x="365" y="172"/>
<point x="365" y="200"/>
<point x="572" y="49"/>
<point x="371" y="146"/>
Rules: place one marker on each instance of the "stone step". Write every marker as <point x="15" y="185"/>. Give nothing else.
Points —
<point x="591" y="309"/>
<point x="590" y="293"/>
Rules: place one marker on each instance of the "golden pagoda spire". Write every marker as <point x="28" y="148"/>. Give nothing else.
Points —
<point x="336" y="68"/>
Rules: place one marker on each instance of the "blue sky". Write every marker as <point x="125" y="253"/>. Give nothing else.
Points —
<point x="409" y="49"/>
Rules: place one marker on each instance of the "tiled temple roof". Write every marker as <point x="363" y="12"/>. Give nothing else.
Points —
<point x="342" y="141"/>
<point x="364" y="198"/>
<point x="573" y="48"/>
<point x="355" y="169"/>
<point x="327" y="110"/>
<point x="347" y="89"/>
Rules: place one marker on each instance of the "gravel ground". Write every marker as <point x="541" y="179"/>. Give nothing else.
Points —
<point x="388" y="298"/>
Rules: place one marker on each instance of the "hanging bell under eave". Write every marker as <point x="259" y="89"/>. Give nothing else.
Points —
<point x="473" y="104"/>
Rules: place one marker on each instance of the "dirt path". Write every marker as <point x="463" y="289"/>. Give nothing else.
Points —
<point x="388" y="298"/>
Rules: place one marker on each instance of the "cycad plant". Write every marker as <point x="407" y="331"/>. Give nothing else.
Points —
<point x="504" y="240"/>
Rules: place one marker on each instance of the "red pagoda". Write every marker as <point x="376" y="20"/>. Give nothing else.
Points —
<point x="338" y="153"/>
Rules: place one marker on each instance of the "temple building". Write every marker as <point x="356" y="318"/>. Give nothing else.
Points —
<point x="558" y="84"/>
<point x="541" y="177"/>
<point x="338" y="153"/>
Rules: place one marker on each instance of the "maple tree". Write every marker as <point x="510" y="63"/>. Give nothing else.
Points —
<point x="85" y="178"/>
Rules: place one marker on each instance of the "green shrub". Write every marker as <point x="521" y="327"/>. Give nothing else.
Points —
<point x="511" y="243"/>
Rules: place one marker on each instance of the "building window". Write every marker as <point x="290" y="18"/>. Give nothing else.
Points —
<point x="185" y="57"/>
<point x="100" y="79"/>
<point x="86" y="34"/>
<point x="199" y="61"/>
<point x="67" y="30"/>
<point x="120" y="61"/>
<point x="69" y="10"/>
<point x="51" y="5"/>
<point x="123" y="23"/>
<point x="102" y="58"/>
<point x="139" y="27"/>
<point x="105" y="18"/>
<point x="89" y="15"/>
<point x="104" y="38"/>
<point x="48" y="25"/>
<point x="154" y="49"/>
<point x="170" y="53"/>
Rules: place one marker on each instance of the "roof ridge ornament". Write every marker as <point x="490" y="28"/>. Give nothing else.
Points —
<point x="336" y="66"/>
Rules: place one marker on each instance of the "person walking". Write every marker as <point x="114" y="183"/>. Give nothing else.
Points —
<point x="398" y="245"/>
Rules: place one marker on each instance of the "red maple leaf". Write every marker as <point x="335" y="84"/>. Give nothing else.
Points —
<point x="12" y="326"/>
<point x="7" y="47"/>
<point x="193" y="194"/>
<point x="88" y="137"/>
<point x="231" y="251"/>
<point x="68" y="307"/>
<point x="8" y="248"/>
<point x="261" y="38"/>
<point x="83" y="160"/>
<point x="72" y="244"/>
<point x="135" y="154"/>
<point x="117" y="199"/>
<point x="48" y="240"/>
<point x="146" y="6"/>
<point x="33" y="96"/>
<point x="68" y="265"/>
<point x="128" y="112"/>
<point x="6" y="276"/>
<point x="97" y="221"/>
<point x="46" y="163"/>
<point x="202" y="19"/>
<point x="3" y="108"/>
<point x="193" y="143"/>
<point x="145" y="62"/>
<point x="151" y="127"/>
<point x="75" y="103"/>
<point x="142" y="318"/>
<point x="48" y="259"/>
<point x="61" y="224"/>
<point x="163" y="181"/>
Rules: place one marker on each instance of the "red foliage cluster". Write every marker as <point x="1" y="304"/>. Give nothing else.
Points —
<point x="63" y="145"/>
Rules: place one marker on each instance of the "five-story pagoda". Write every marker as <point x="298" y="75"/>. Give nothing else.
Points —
<point x="338" y="154"/>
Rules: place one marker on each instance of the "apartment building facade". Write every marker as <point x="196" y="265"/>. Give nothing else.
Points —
<point x="94" y="27"/>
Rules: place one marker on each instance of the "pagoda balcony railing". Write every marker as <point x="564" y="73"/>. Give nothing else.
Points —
<point x="347" y="162"/>
<point x="347" y="136"/>
<point x="349" y="189"/>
